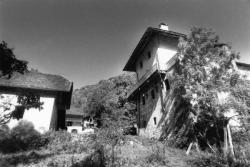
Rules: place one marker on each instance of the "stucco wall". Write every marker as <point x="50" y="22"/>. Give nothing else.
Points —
<point x="148" y="63"/>
<point x="150" y="112"/>
<point x="157" y="112"/>
<point x="40" y="118"/>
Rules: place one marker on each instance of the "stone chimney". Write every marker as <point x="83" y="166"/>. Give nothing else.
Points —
<point x="163" y="26"/>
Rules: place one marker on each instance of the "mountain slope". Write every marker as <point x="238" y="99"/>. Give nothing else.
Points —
<point x="108" y="94"/>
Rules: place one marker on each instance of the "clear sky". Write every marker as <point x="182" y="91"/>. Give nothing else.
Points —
<point x="89" y="40"/>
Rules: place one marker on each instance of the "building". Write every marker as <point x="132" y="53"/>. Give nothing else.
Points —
<point x="153" y="62"/>
<point x="54" y="91"/>
<point x="74" y="117"/>
<point x="153" y="56"/>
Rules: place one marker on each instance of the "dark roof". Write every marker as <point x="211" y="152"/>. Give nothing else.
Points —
<point x="149" y="33"/>
<point x="243" y="66"/>
<point x="38" y="81"/>
<point x="74" y="111"/>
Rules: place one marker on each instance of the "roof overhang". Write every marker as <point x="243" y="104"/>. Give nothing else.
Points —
<point x="243" y="66"/>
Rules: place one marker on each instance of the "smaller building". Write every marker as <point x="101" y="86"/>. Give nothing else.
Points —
<point x="74" y="117"/>
<point x="54" y="91"/>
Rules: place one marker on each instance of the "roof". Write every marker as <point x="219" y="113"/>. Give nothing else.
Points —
<point x="243" y="65"/>
<point x="38" y="81"/>
<point x="147" y="36"/>
<point x="74" y="111"/>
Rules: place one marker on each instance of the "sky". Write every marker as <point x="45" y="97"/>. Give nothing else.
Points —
<point x="89" y="40"/>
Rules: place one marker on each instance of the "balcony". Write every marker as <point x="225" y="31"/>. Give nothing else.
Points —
<point x="149" y="73"/>
<point x="143" y="79"/>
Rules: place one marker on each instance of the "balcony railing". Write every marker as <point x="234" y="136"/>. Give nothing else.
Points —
<point x="149" y="72"/>
<point x="143" y="79"/>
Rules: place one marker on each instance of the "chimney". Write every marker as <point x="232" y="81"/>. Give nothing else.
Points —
<point x="163" y="26"/>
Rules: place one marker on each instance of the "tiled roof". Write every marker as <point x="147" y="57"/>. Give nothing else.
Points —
<point x="37" y="80"/>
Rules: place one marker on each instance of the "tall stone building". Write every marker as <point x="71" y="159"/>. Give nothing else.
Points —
<point x="153" y="62"/>
<point x="153" y="56"/>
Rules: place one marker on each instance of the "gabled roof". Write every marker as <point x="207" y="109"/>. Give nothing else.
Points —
<point x="147" y="36"/>
<point x="38" y="81"/>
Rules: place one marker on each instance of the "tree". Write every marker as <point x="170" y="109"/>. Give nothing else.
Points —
<point x="8" y="65"/>
<point x="206" y="70"/>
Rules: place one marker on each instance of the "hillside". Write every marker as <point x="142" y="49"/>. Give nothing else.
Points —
<point x="106" y="95"/>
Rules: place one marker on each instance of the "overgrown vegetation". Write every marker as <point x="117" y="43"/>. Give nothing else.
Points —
<point x="107" y="102"/>
<point x="206" y="71"/>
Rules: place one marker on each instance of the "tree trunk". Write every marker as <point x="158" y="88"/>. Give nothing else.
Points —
<point x="231" y="149"/>
<point x="189" y="148"/>
<point x="225" y="149"/>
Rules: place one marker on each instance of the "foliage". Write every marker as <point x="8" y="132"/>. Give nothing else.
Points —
<point x="204" y="71"/>
<point x="64" y="142"/>
<point x="30" y="100"/>
<point x="8" y="61"/>
<point x="204" y="159"/>
<point x="21" y="137"/>
<point x="107" y="101"/>
<point x="158" y="155"/>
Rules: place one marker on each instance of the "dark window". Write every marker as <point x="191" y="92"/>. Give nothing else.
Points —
<point x="156" y="88"/>
<point x="69" y="123"/>
<point x="167" y="84"/>
<point x="146" y="96"/>
<point x="144" y="123"/>
<point x="73" y="131"/>
<point x="149" y="55"/>
<point x="153" y="94"/>
<point x="141" y="64"/>
<point x="143" y="100"/>
<point x="155" y="120"/>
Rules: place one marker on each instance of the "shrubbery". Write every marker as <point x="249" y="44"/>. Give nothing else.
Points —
<point x="20" y="138"/>
<point x="64" y="142"/>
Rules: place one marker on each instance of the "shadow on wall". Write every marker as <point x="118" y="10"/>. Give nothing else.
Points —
<point x="148" y="111"/>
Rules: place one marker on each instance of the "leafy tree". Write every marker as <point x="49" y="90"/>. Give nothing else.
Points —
<point x="206" y="70"/>
<point x="9" y="63"/>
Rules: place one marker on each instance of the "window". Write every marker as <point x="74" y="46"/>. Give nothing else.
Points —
<point x="141" y="64"/>
<point x="156" y="88"/>
<point x="74" y="131"/>
<point x="155" y="120"/>
<point x="143" y="100"/>
<point x="69" y="123"/>
<point x="153" y="94"/>
<point x="144" y="123"/>
<point x="149" y="54"/>
<point x="167" y="84"/>
<point x="146" y="96"/>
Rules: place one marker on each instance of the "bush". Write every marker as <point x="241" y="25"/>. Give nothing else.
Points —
<point x="218" y="160"/>
<point x="64" y="142"/>
<point x="22" y="137"/>
<point x="157" y="156"/>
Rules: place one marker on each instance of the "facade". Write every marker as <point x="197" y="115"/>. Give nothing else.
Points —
<point x="153" y="62"/>
<point x="152" y="58"/>
<point x="54" y="91"/>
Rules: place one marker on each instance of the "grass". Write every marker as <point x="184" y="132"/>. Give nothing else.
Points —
<point x="68" y="150"/>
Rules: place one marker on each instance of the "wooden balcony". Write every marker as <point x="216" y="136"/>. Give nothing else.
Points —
<point x="149" y="73"/>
